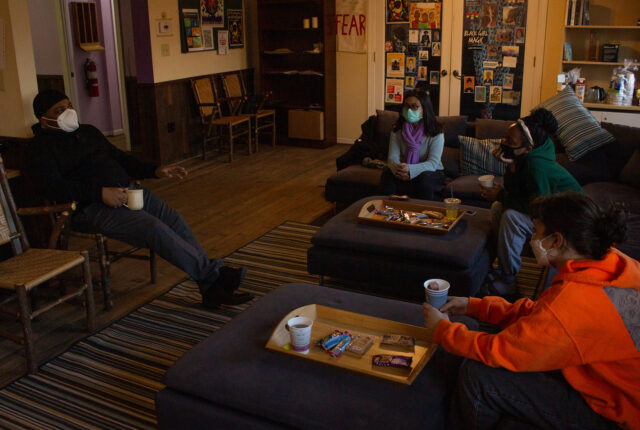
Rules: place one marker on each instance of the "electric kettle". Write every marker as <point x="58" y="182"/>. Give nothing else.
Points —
<point x="596" y="94"/>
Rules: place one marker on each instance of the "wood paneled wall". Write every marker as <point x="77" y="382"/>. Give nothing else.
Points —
<point x="163" y="119"/>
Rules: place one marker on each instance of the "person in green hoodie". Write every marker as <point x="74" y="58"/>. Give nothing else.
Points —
<point x="532" y="171"/>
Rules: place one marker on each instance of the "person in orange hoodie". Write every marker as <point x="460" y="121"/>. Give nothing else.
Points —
<point x="571" y="359"/>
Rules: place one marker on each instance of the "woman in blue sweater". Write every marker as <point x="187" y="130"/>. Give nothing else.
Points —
<point x="415" y="147"/>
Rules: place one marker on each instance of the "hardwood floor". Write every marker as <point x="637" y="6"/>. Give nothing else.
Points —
<point x="227" y="205"/>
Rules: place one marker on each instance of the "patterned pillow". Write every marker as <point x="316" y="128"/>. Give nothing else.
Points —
<point x="578" y="131"/>
<point x="476" y="158"/>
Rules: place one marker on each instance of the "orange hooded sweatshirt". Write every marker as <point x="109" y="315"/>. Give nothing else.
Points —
<point x="587" y="324"/>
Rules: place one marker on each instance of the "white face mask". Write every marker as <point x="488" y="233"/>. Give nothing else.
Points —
<point x="67" y="120"/>
<point x="542" y="254"/>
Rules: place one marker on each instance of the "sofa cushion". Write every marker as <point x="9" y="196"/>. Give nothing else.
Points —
<point x="593" y="167"/>
<point x="619" y="152"/>
<point x="467" y="188"/>
<point x="491" y="128"/>
<point x="604" y="193"/>
<point x="451" y="161"/>
<point x="579" y="132"/>
<point x="352" y="183"/>
<point x="385" y="119"/>
<point x="476" y="157"/>
<point x="630" y="175"/>
<point x="453" y="126"/>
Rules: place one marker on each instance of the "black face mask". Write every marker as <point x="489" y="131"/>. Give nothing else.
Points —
<point x="509" y="151"/>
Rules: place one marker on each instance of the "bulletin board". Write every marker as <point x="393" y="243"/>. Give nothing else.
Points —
<point x="200" y="21"/>
<point x="493" y="58"/>
<point x="412" y="44"/>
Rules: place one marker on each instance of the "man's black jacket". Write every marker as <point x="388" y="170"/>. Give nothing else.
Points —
<point x="74" y="166"/>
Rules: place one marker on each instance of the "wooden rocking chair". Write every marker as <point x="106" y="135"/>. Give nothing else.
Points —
<point x="30" y="267"/>
<point x="206" y="96"/>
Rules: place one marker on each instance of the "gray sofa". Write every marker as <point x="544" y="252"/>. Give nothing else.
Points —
<point x="600" y="172"/>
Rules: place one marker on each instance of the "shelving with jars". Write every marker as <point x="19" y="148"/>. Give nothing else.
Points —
<point x="610" y="22"/>
<point x="298" y="61"/>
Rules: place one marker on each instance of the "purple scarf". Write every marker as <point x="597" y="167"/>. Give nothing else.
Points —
<point x="412" y="134"/>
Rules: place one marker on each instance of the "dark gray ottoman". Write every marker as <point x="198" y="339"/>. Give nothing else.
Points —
<point x="231" y="381"/>
<point x="396" y="262"/>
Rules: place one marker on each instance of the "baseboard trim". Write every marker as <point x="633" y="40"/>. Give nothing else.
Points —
<point x="117" y="132"/>
<point x="345" y="140"/>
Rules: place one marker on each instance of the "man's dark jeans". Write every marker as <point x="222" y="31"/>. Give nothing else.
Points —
<point x="157" y="226"/>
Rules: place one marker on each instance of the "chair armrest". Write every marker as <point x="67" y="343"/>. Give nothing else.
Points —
<point x="52" y="209"/>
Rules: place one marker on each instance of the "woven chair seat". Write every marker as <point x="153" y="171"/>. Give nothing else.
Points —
<point x="263" y="113"/>
<point x="36" y="266"/>
<point x="233" y="120"/>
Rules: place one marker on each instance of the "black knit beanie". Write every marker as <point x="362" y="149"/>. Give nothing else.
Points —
<point x="45" y="99"/>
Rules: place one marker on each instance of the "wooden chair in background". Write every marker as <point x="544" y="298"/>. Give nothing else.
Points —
<point x="30" y="268"/>
<point x="236" y="95"/>
<point x="213" y="122"/>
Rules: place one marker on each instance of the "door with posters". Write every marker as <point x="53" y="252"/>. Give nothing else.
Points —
<point x="413" y="50"/>
<point x="492" y="61"/>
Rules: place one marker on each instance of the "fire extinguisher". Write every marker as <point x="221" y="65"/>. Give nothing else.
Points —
<point x="91" y="77"/>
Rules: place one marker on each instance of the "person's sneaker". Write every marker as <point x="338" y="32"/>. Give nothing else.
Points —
<point x="230" y="278"/>
<point x="214" y="297"/>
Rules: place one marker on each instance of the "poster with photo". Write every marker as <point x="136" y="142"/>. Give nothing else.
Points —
<point x="207" y="38"/>
<point x="212" y="12"/>
<point x="223" y="42"/>
<point x="236" y="29"/>
<point x="510" y="15"/>
<point x="469" y="84"/>
<point x="507" y="82"/>
<point x="489" y="15"/>
<point x="397" y="11"/>
<point x="411" y="65"/>
<point x="434" y="77"/>
<point x="495" y="94"/>
<point x="511" y="97"/>
<point x="394" y="92"/>
<point x="487" y="77"/>
<point x="423" y="55"/>
<point x="398" y="35"/>
<point x="425" y="38"/>
<point x="510" y="50"/>
<point x="425" y="15"/>
<point x="518" y="35"/>
<point x="492" y="50"/>
<point x="192" y="29"/>
<point x="509" y="62"/>
<point x="504" y="35"/>
<point x="435" y="49"/>
<point x="480" y="94"/>
<point x="422" y="73"/>
<point x="436" y="36"/>
<point x="409" y="82"/>
<point x="395" y="65"/>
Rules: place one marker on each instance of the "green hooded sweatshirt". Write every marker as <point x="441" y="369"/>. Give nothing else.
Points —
<point x="536" y="174"/>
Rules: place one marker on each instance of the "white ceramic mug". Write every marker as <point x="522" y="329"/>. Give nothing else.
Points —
<point x="486" y="181"/>
<point x="300" y="331"/>
<point x="135" y="199"/>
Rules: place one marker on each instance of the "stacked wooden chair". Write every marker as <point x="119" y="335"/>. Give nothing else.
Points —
<point x="262" y="120"/>
<point x="215" y="125"/>
<point x="29" y="268"/>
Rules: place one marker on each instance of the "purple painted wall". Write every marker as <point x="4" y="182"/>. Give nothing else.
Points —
<point x="142" y="40"/>
<point x="104" y="111"/>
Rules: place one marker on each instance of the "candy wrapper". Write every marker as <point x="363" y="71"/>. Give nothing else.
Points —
<point x="360" y="344"/>
<point x="335" y="343"/>
<point x="397" y="341"/>
<point x="399" y="361"/>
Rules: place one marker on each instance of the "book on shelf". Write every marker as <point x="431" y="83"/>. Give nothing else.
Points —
<point x="586" y="17"/>
<point x="572" y="13"/>
<point x="568" y="54"/>
<point x="576" y="13"/>
<point x="567" y="14"/>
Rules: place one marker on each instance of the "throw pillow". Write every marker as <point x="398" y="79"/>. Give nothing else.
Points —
<point x="629" y="174"/>
<point x="452" y="127"/>
<point x="578" y="131"/>
<point x="476" y="157"/>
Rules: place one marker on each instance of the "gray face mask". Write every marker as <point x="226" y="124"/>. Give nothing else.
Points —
<point x="67" y="120"/>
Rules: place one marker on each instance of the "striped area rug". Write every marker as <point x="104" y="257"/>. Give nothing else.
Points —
<point x="110" y="379"/>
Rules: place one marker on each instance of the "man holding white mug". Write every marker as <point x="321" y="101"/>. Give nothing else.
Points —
<point x="68" y="161"/>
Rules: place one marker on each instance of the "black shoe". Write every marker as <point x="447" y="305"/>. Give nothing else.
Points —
<point x="229" y="279"/>
<point x="214" y="297"/>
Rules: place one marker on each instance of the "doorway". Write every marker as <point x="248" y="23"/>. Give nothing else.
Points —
<point x="60" y="64"/>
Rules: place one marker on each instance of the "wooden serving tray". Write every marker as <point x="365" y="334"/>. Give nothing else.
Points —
<point x="368" y="216"/>
<point x="327" y="319"/>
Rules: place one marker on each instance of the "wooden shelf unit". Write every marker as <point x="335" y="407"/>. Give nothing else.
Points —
<point x="298" y="90"/>
<point x="611" y="22"/>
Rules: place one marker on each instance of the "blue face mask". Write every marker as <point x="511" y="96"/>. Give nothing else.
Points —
<point x="412" y="115"/>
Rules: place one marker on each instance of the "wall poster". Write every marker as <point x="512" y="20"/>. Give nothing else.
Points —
<point x="200" y="20"/>
<point x="412" y="43"/>
<point x="493" y="58"/>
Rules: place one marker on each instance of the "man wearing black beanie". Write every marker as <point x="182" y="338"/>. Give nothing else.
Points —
<point x="69" y="161"/>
